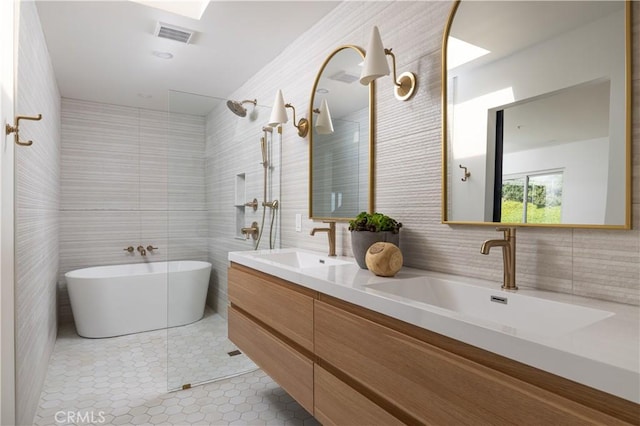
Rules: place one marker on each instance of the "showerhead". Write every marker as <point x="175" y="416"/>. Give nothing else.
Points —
<point x="237" y="108"/>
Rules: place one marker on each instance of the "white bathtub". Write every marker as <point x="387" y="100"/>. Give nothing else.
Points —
<point x="114" y="300"/>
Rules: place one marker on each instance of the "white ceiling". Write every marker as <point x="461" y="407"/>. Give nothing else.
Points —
<point x="102" y="50"/>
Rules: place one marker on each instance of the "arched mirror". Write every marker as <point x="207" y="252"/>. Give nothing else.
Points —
<point x="341" y="139"/>
<point x="537" y="114"/>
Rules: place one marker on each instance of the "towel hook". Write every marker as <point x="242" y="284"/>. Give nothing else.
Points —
<point x="466" y="173"/>
<point x="16" y="129"/>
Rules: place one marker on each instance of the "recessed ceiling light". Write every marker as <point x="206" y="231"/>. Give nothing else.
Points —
<point x="144" y="96"/>
<point x="322" y="90"/>
<point x="162" y="55"/>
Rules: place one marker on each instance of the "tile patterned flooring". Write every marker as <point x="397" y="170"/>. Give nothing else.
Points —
<point x="124" y="380"/>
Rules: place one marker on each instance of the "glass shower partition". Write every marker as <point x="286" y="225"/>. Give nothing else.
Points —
<point x="215" y="171"/>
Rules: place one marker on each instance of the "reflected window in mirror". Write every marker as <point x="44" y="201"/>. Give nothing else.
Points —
<point x="340" y="144"/>
<point x="521" y="104"/>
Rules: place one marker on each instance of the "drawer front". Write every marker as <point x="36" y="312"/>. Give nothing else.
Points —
<point x="287" y="367"/>
<point x="274" y="302"/>
<point x="336" y="403"/>
<point x="430" y="384"/>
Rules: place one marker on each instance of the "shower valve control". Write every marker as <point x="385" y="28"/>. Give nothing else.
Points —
<point x="151" y="248"/>
<point x="129" y="249"/>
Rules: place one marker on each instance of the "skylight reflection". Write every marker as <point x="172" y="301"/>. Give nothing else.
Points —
<point x="460" y="52"/>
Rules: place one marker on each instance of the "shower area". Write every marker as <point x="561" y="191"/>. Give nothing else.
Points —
<point x="237" y="164"/>
<point x="147" y="188"/>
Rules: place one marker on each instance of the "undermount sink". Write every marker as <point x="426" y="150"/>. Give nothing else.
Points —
<point x="508" y="312"/>
<point x="300" y="259"/>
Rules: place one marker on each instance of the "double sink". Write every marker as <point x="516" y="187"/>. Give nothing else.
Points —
<point x="510" y="312"/>
<point x="589" y="341"/>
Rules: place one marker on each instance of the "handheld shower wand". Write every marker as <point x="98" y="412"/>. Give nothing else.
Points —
<point x="263" y="147"/>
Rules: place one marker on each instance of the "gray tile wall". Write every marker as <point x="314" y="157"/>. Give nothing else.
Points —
<point x="129" y="177"/>
<point x="233" y="147"/>
<point x="598" y="263"/>
<point x="37" y="171"/>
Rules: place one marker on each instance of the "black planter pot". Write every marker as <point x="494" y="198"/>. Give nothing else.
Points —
<point x="362" y="240"/>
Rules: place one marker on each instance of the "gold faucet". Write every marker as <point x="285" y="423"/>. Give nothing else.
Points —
<point x="508" y="245"/>
<point x="142" y="251"/>
<point x="331" y="234"/>
<point x="251" y="231"/>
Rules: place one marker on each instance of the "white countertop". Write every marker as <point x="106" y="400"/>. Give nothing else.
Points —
<point x="604" y="355"/>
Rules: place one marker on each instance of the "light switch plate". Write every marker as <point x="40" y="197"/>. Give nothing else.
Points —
<point x="298" y="222"/>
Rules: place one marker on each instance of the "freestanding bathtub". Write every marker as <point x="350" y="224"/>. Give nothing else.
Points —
<point x="114" y="300"/>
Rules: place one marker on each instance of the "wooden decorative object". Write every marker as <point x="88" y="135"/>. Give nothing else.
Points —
<point x="384" y="259"/>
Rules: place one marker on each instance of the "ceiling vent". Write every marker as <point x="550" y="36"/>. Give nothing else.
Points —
<point x="344" y="77"/>
<point x="173" y="32"/>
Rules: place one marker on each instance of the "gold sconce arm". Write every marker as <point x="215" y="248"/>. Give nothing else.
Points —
<point x="302" y="126"/>
<point x="406" y="84"/>
<point x="16" y="129"/>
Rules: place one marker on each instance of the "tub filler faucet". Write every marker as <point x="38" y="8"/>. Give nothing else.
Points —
<point x="331" y="235"/>
<point x="508" y="244"/>
<point x="142" y="251"/>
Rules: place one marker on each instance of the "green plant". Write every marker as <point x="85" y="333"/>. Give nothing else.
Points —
<point x="376" y="222"/>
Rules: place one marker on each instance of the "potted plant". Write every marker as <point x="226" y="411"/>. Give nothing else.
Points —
<point x="367" y="229"/>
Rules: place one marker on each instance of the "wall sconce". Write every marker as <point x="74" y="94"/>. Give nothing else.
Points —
<point x="324" y="124"/>
<point x="279" y="115"/>
<point x="376" y="65"/>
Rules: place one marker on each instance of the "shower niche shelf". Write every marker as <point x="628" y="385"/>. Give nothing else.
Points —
<point x="240" y="189"/>
<point x="239" y="204"/>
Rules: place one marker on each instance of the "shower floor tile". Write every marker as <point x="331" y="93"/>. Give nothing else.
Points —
<point x="123" y="381"/>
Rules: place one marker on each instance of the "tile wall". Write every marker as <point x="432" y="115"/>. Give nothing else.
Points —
<point x="130" y="177"/>
<point x="37" y="171"/>
<point x="595" y="263"/>
<point x="233" y="148"/>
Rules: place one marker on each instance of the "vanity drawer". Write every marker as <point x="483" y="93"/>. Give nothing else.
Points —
<point x="432" y="385"/>
<point x="280" y="305"/>
<point x="336" y="403"/>
<point x="286" y="366"/>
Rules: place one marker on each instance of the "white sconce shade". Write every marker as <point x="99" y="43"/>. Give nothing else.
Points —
<point x="376" y="66"/>
<point x="375" y="61"/>
<point x="278" y="112"/>
<point x="279" y="115"/>
<point x="324" y="125"/>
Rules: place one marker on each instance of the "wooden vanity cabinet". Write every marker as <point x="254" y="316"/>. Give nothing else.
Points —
<point x="286" y="308"/>
<point x="348" y="365"/>
<point x="336" y="403"/>
<point x="271" y="321"/>
<point x="422" y="383"/>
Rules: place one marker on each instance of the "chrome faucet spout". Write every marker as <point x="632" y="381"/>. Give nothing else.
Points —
<point x="508" y="245"/>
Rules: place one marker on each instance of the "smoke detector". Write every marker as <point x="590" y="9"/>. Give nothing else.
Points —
<point x="173" y="32"/>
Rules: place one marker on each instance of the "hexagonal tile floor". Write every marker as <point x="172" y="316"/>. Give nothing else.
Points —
<point x="123" y="381"/>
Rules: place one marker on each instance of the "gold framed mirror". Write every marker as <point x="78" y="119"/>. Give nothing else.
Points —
<point x="341" y="139"/>
<point x="537" y="114"/>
